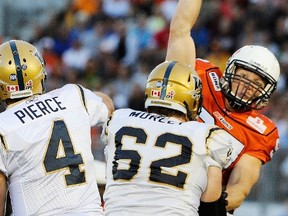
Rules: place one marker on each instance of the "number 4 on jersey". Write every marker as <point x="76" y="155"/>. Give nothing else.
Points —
<point x="53" y="161"/>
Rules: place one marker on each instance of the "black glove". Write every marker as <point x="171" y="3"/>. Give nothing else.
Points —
<point x="217" y="208"/>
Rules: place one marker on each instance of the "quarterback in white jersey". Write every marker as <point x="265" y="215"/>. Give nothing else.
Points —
<point x="45" y="151"/>
<point x="158" y="164"/>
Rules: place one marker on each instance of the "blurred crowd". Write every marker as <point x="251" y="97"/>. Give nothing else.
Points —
<point x="112" y="45"/>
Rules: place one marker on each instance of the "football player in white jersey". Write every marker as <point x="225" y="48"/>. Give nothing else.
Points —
<point x="163" y="162"/>
<point x="46" y="160"/>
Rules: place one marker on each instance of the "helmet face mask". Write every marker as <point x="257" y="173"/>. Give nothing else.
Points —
<point x="175" y="86"/>
<point x="22" y="70"/>
<point x="242" y="92"/>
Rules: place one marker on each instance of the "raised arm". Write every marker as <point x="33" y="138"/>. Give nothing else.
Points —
<point x="181" y="46"/>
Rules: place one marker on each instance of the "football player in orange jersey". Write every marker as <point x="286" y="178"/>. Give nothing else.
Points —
<point x="231" y="101"/>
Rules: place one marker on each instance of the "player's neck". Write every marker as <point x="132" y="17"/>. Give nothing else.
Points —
<point x="180" y="118"/>
<point x="228" y="107"/>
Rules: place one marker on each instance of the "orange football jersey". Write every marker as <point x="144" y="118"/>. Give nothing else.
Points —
<point x="254" y="133"/>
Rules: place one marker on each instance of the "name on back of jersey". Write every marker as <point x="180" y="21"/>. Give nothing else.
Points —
<point x="153" y="117"/>
<point x="39" y="109"/>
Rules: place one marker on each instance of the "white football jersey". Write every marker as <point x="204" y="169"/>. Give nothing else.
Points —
<point x="46" y="153"/>
<point x="158" y="165"/>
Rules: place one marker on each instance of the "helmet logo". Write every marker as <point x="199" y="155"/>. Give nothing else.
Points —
<point x="13" y="77"/>
<point x="12" y="88"/>
<point x="39" y="57"/>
